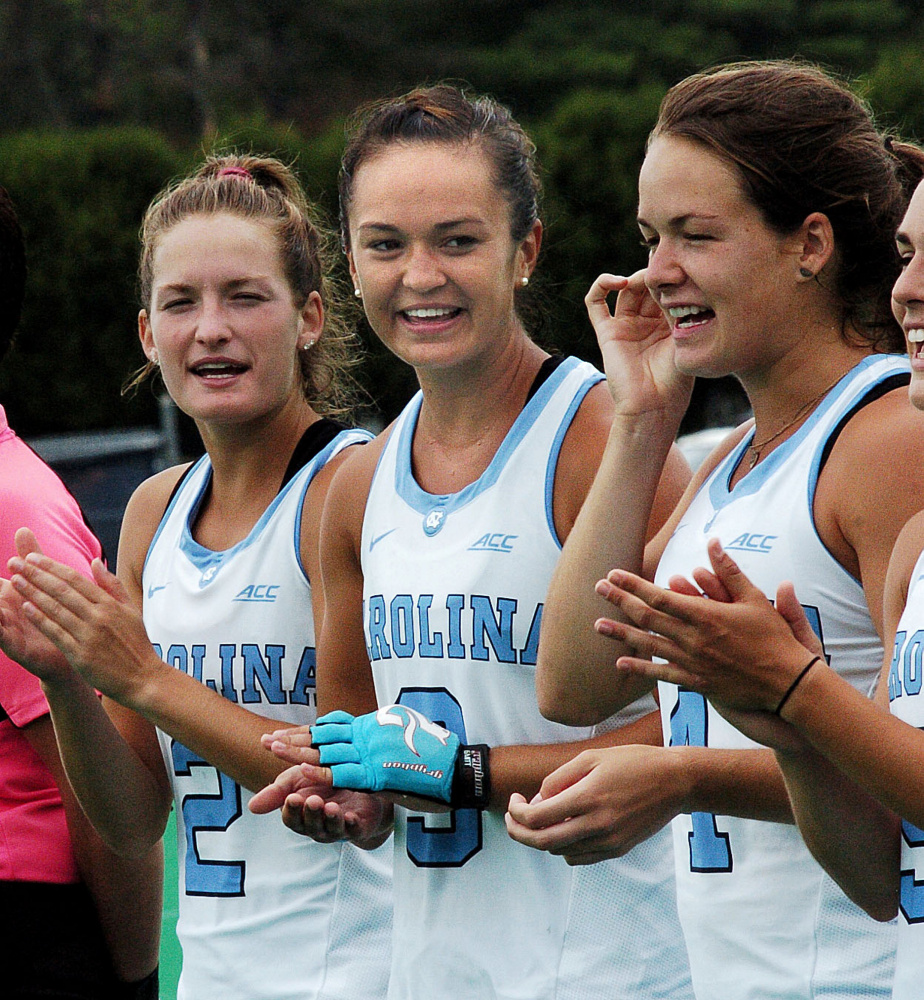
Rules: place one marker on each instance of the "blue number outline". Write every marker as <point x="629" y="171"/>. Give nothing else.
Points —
<point x="911" y="899"/>
<point x="710" y="848"/>
<point x="205" y="876"/>
<point x="460" y="840"/>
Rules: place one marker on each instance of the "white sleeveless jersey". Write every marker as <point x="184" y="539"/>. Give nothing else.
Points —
<point x="264" y="913"/>
<point x="761" y="918"/>
<point x="454" y="587"/>
<point x="906" y="702"/>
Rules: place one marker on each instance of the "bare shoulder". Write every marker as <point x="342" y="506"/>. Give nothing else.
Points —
<point x="581" y="450"/>
<point x="321" y="483"/>
<point x="143" y="514"/>
<point x="352" y="476"/>
<point x="876" y="460"/>
<point x="908" y="547"/>
<point x="889" y="421"/>
<point x="585" y="440"/>
<point x="348" y="490"/>
<point x="315" y="501"/>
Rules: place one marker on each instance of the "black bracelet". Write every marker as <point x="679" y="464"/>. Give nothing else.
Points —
<point x="792" y="687"/>
<point x="471" y="782"/>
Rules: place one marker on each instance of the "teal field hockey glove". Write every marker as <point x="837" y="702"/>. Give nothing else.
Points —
<point x="396" y="749"/>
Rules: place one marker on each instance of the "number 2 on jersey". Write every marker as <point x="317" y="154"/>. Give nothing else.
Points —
<point x="208" y="812"/>
<point x="441" y="846"/>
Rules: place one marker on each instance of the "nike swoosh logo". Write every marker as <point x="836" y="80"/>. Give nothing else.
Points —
<point x="153" y="590"/>
<point x="375" y="541"/>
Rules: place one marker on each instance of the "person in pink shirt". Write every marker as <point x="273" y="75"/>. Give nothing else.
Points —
<point x="78" y="921"/>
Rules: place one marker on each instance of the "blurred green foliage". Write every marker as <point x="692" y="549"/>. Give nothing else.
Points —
<point x="103" y="101"/>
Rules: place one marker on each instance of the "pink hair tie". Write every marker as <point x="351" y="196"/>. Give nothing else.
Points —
<point x="237" y="171"/>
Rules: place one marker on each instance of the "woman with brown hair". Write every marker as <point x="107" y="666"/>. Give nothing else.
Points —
<point x="768" y="202"/>
<point x="852" y="771"/>
<point x="438" y="543"/>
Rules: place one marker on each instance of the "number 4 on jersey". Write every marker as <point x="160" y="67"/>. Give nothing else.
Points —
<point x="710" y="849"/>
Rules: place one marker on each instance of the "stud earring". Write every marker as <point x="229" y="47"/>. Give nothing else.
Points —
<point x="806" y="273"/>
<point x="307" y="345"/>
<point x="358" y="292"/>
<point x="154" y="359"/>
<point x="524" y="281"/>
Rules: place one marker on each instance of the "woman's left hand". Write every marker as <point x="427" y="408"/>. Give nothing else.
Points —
<point x="601" y="804"/>
<point x="734" y="648"/>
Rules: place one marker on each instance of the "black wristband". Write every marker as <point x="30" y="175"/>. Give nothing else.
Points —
<point x="471" y="782"/>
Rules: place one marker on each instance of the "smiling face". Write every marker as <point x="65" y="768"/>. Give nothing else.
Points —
<point x="223" y="322"/>
<point x="908" y="293"/>
<point x="724" y="278"/>
<point x="431" y="251"/>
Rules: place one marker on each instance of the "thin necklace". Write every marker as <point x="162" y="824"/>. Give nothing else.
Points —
<point x="757" y="449"/>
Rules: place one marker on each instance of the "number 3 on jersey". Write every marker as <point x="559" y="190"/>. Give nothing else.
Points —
<point x="214" y="811"/>
<point x="438" y="845"/>
<point x="912" y="890"/>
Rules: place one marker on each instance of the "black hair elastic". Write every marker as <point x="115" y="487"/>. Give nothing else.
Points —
<point x="792" y="687"/>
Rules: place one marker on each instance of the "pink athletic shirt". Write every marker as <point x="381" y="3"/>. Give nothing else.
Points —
<point x="34" y="843"/>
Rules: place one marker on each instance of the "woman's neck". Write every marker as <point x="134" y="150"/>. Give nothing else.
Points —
<point x="250" y="461"/>
<point x="797" y="382"/>
<point x="466" y="414"/>
<point x="785" y="394"/>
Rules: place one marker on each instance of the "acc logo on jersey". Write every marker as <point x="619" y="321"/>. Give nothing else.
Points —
<point x="434" y="520"/>
<point x="263" y="593"/>
<point x="208" y="575"/>
<point x="390" y="715"/>
<point x="752" y="543"/>
<point x="494" y="542"/>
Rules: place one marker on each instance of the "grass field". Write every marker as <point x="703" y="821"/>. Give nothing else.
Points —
<point x="170" y="956"/>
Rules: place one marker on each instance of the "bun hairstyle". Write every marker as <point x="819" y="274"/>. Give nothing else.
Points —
<point x="802" y="142"/>
<point x="446" y="114"/>
<point x="265" y="190"/>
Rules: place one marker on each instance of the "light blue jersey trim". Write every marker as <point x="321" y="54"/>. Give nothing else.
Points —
<point x="185" y="478"/>
<point x="344" y="439"/>
<point x="563" y="428"/>
<point x="901" y="367"/>
<point x="209" y="561"/>
<point x="720" y="492"/>
<point x="417" y="499"/>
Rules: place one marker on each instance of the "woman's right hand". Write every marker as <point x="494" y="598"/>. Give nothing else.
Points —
<point x="637" y="349"/>
<point x="92" y="622"/>
<point x="19" y="637"/>
<point x="312" y="807"/>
